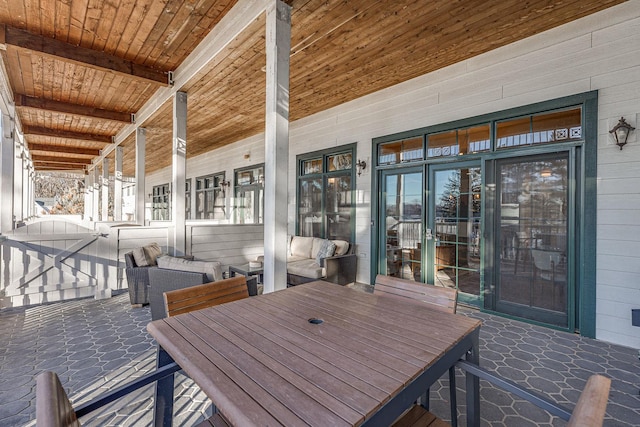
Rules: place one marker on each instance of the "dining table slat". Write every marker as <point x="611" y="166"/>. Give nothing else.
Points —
<point x="323" y="374"/>
<point x="262" y="362"/>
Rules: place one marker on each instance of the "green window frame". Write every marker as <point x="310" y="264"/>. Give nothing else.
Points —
<point x="249" y="195"/>
<point x="326" y="193"/>
<point x="161" y="202"/>
<point x="210" y="196"/>
<point x="537" y="137"/>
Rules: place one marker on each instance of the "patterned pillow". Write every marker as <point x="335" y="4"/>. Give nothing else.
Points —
<point x="327" y="249"/>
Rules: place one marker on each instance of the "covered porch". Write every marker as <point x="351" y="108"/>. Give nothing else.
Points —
<point x="220" y="129"/>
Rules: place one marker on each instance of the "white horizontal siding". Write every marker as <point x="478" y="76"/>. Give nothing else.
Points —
<point x="600" y="52"/>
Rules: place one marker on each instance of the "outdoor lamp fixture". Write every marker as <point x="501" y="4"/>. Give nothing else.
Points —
<point x="224" y="184"/>
<point x="621" y="132"/>
<point x="362" y="165"/>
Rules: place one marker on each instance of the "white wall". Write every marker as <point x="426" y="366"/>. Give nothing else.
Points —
<point x="599" y="52"/>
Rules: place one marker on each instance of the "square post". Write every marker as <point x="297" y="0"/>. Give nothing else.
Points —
<point x="6" y="173"/>
<point x="117" y="186"/>
<point x="141" y="143"/>
<point x="278" y="46"/>
<point x="105" y="189"/>
<point x="179" y="168"/>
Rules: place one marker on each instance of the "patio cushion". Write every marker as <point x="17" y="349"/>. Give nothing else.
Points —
<point x="307" y="268"/>
<point x="213" y="269"/>
<point x="147" y="255"/>
<point x="301" y="246"/>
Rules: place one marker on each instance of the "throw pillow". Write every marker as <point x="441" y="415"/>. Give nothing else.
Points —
<point x="146" y="255"/>
<point x="327" y="249"/>
<point x="152" y="252"/>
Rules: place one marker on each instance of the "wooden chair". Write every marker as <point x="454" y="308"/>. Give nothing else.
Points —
<point x="207" y="295"/>
<point x="54" y="409"/>
<point x="588" y="412"/>
<point x="436" y="298"/>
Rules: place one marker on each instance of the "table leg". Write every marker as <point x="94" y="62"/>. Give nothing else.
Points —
<point x="473" y="383"/>
<point x="163" y="408"/>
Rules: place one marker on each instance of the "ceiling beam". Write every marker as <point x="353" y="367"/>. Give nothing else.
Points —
<point x="55" y="166"/>
<point x="66" y="134"/>
<point x="66" y="108"/>
<point x="55" y="159"/>
<point x="15" y="37"/>
<point x="65" y="149"/>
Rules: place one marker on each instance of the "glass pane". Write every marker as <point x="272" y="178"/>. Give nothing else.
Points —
<point x="339" y="162"/>
<point x="403" y="225"/>
<point x="310" y="207"/>
<point x="457" y="232"/>
<point x="475" y="139"/>
<point x="533" y="238"/>
<point x="338" y="208"/>
<point x="558" y="126"/>
<point x="311" y="166"/>
<point x="513" y="133"/>
<point x="442" y="144"/>
<point x="401" y="151"/>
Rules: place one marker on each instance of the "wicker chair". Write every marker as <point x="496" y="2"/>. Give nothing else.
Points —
<point x="138" y="279"/>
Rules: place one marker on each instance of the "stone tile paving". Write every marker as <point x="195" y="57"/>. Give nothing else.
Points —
<point x="97" y="345"/>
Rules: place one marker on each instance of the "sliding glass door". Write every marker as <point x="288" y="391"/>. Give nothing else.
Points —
<point x="531" y="244"/>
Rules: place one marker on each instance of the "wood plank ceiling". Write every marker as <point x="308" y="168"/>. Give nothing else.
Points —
<point x="79" y="69"/>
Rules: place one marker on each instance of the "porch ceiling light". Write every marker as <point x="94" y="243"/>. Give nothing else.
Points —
<point x="621" y="132"/>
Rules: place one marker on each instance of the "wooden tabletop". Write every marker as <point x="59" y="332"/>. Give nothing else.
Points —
<point x="262" y="362"/>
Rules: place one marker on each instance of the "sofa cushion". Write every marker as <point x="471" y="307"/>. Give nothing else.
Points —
<point x="213" y="269"/>
<point x="147" y="255"/>
<point x="306" y="268"/>
<point x="301" y="246"/>
<point x="327" y="249"/>
<point x="341" y="247"/>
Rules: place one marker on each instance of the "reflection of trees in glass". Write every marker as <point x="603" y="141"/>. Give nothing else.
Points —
<point x="450" y="203"/>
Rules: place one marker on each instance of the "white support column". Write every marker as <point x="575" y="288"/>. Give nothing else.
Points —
<point x="17" y="181"/>
<point x="7" y="152"/>
<point x="117" y="186"/>
<point x="179" y="169"/>
<point x="141" y="144"/>
<point x="25" y="186"/>
<point x="278" y="46"/>
<point x="88" y="197"/>
<point x="96" y="195"/>
<point x="105" y="189"/>
<point x="32" y="191"/>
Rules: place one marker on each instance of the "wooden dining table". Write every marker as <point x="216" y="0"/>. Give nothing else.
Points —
<point x="316" y="354"/>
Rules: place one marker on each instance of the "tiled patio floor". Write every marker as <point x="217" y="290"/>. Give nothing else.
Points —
<point x="96" y="345"/>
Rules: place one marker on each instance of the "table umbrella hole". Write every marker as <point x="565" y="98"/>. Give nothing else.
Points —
<point x="315" y="321"/>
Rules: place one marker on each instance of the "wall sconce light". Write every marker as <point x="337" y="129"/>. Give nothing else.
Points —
<point x="621" y="132"/>
<point x="149" y="195"/>
<point x="224" y="184"/>
<point x="361" y="165"/>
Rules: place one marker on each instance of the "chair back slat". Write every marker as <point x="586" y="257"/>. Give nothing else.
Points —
<point x="442" y="299"/>
<point x="53" y="408"/>
<point x="592" y="404"/>
<point x="207" y="295"/>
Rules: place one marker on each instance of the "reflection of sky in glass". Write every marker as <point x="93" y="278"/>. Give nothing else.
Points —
<point x="411" y="187"/>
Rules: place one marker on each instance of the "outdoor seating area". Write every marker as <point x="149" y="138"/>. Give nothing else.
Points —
<point x="89" y="363"/>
